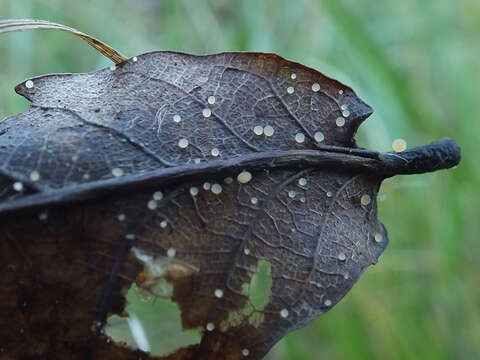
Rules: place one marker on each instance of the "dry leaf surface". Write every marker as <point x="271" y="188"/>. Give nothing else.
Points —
<point x="189" y="171"/>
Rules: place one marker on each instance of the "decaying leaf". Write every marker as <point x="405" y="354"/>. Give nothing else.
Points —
<point x="187" y="175"/>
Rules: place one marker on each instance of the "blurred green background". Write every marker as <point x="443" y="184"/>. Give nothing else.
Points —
<point x="415" y="62"/>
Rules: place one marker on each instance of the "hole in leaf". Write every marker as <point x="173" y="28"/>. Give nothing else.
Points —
<point x="260" y="287"/>
<point x="258" y="292"/>
<point x="153" y="325"/>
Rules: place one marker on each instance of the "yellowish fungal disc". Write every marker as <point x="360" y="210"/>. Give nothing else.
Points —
<point x="183" y="143"/>
<point x="340" y="121"/>
<point x="244" y="177"/>
<point x="268" y="130"/>
<point x="117" y="172"/>
<point x="258" y="130"/>
<point x="215" y="152"/>
<point x="399" y="145"/>
<point x="206" y="113"/>
<point x="152" y="205"/>
<point x="34" y="175"/>
<point x="299" y="138"/>
<point x="318" y="136"/>
<point x="157" y="195"/>
<point x="216" y="189"/>
<point x="365" y="199"/>
<point x="18" y="186"/>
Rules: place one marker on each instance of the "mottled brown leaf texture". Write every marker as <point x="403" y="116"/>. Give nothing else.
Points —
<point x="186" y="174"/>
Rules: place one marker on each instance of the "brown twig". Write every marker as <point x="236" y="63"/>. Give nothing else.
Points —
<point x="11" y="25"/>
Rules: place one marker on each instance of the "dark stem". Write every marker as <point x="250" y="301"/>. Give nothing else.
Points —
<point x="442" y="154"/>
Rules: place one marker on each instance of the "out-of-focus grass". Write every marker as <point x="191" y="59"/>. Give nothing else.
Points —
<point x="415" y="62"/>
